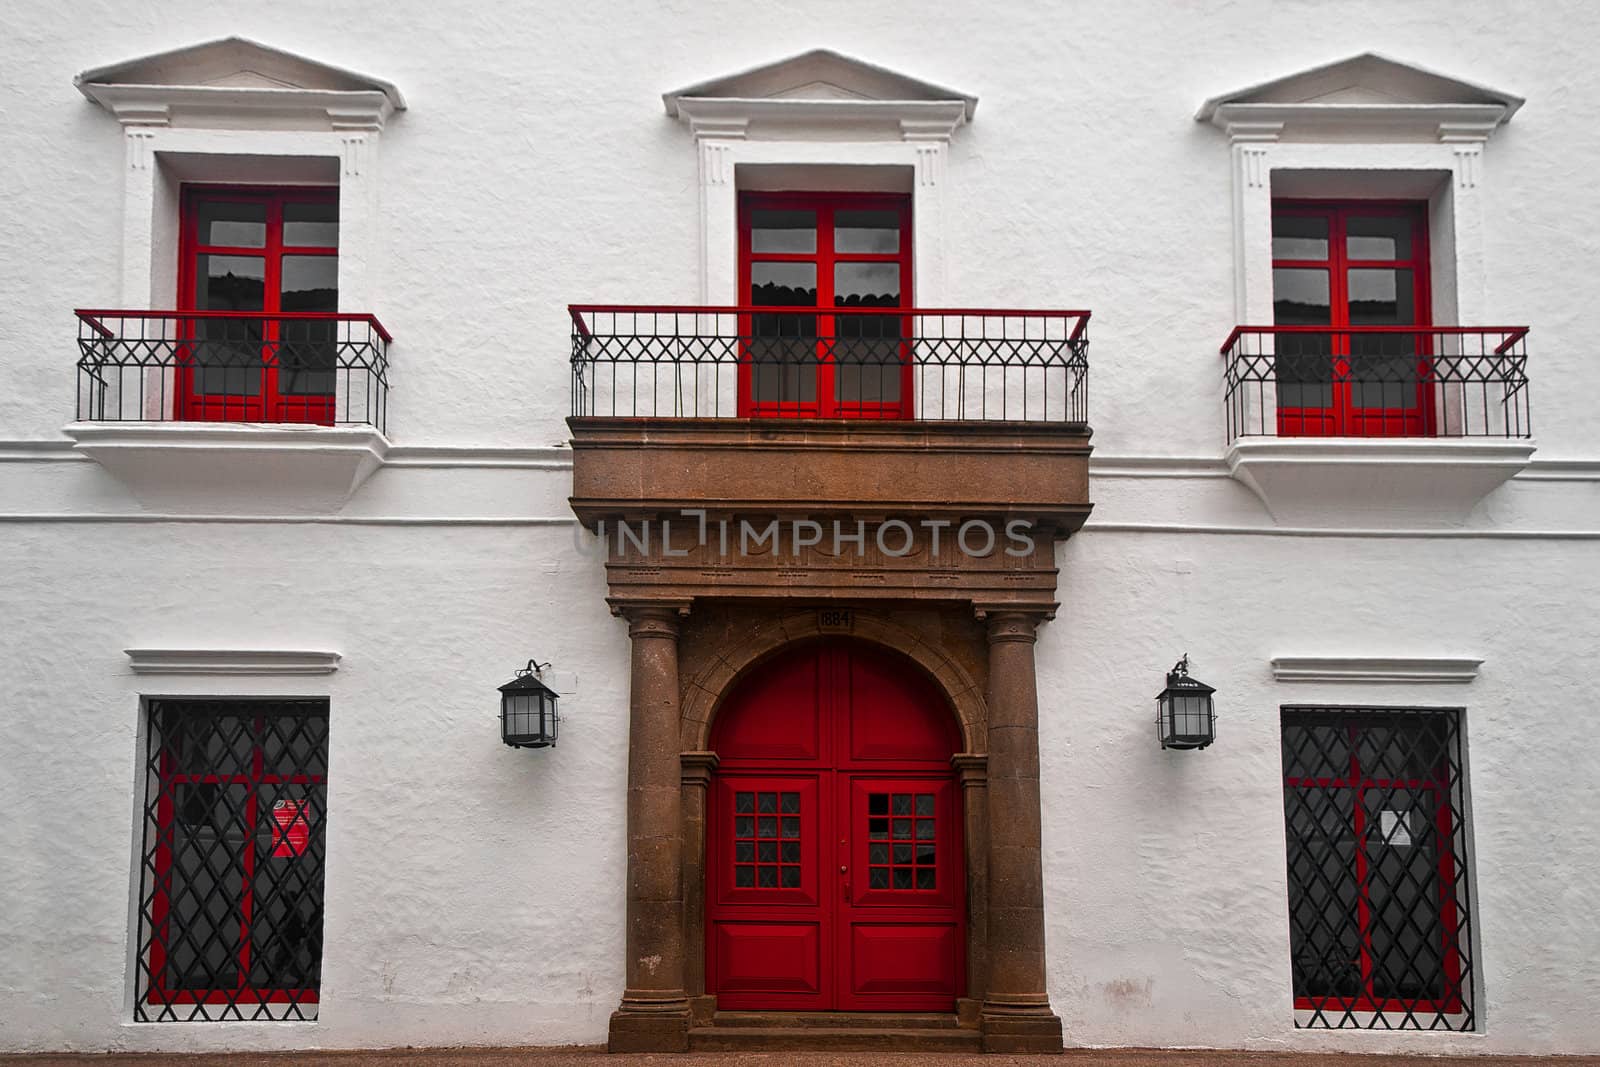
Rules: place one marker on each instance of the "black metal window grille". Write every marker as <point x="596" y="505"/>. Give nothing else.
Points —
<point x="1379" y="900"/>
<point x="231" y="869"/>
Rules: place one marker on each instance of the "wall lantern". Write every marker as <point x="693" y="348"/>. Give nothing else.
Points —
<point x="1184" y="715"/>
<point x="528" y="717"/>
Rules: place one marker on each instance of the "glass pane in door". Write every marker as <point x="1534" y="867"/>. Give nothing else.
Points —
<point x="228" y="351"/>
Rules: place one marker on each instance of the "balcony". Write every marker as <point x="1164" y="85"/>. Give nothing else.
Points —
<point x="220" y="410"/>
<point x="1387" y="421"/>
<point x="929" y="418"/>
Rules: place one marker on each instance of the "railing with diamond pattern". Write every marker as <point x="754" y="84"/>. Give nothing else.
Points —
<point x="1377" y="381"/>
<point x="843" y="362"/>
<point x="231" y="869"/>
<point x="1380" y="907"/>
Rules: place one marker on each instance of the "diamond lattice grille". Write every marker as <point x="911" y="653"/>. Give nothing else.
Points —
<point x="1379" y="902"/>
<point x="230" y="880"/>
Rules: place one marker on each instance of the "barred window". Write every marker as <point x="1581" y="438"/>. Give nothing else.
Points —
<point x="230" y="879"/>
<point x="1379" y="905"/>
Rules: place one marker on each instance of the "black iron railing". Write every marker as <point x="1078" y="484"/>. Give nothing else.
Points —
<point x="904" y="363"/>
<point x="1377" y="381"/>
<point x="228" y="366"/>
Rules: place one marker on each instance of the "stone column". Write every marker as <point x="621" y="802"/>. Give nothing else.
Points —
<point x="654" y="1014"/>
<point x="973" y="769"/>
<point x="697" y="768"/>
<point x="1016" y="1007"/>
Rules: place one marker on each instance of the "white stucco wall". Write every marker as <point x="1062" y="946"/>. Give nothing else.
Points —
<point x="475" y="893"/>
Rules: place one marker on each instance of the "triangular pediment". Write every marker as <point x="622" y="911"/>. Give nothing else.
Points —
<point x="232" y="63"/>
<point x="1366" y="81"/>
<point x="820" y="75"/>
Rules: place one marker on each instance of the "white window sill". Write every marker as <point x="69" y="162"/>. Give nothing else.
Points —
<point x="1339" y="481"/>
<point x="234" y="468"/>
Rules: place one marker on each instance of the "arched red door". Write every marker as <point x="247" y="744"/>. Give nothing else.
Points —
<point x="835" y="878"/>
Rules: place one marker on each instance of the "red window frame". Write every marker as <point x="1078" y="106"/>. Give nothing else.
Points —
<point x="826" y="403"/>
<point x="167" y="783"/>
<point x="1358" y="783"/>
<point x="1343" y="417"/>
<point x="268" y="404"/>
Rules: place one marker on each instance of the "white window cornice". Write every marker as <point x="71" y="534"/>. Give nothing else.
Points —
<point x="1366" y="98"/>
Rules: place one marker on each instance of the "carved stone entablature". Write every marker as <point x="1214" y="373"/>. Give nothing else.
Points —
<point x="830" y="511"/>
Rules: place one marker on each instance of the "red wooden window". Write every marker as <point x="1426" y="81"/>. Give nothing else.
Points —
<point x="1343" y="265"/>
<point x="262" y="253"/>
<point x="834" y="852"/>
<point x="231" y="875"/>
<point x="829" y="261"/>
<point x="1378" y="891"/>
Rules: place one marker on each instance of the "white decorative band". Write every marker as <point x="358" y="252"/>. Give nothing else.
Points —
<point x="231" y="661"/>
<point x="1428" y="669"/>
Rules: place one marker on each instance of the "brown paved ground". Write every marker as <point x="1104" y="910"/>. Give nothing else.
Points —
<point x="584" y="1057"/>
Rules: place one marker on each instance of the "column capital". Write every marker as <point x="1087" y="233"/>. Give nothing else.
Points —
<point x="1012" y="626"/>
<point x="697" y="766"/>
<point x="972" y="768"/>
<point x="651" y="620"/>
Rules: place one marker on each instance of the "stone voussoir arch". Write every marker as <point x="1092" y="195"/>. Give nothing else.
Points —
<point x="705" y="692"/>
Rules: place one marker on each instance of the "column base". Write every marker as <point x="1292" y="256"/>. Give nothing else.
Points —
<point x="1011" y="1030"/>
<point x="656" y="1029"/>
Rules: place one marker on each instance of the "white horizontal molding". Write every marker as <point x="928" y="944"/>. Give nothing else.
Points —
<point x="1341" y="481"/>
<point x="243" y="468"/>
<point x="231" y="661"/>
<point x="1455" y="670"/>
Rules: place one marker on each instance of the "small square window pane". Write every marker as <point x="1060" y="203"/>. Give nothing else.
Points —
<point x="768" y="827"/>
<point x="878" y="878"/>
<point x="1300" y="297"/>
<point x="791" y="803"/>
<point x="878" y="828"/>
<point x="768" y="852"/>
<point x="902" y="878"/>
<point x="927" y="855"/>
<point x="1377" y="237"/>
<point x="791" y="877"/>
<point x="766" y="877"/>
<point x="902" y="803"/>
<point x="902" y="853"/>
<point x="783" y="230"/>
<point x="791" y="852"/>
<point x="744" y="827"/>
<point x="902" y="827"/>
<point x="874" y="231"/>
<point x="926" y="878"/>
<point x="791" y="826"/>
<point x="926" y="829"/>
<point x="924" y="803"/>
<point x="877" y="853"/>
<point x="1299" y="237"/>
<point x="744" y="851"/>
<point x="313" y="224"/>
<point x="744" y="801"/>
<point x="240" y="225"/>
<point x="767" y="802"/>
<point x="877" y="803"/>
<point x="744" y="876"/>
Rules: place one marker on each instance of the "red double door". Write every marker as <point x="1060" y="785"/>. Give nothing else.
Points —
<point x="835" y="874"/>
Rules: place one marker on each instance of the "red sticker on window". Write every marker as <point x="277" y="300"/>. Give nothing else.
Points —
<point x="291" y="828"/>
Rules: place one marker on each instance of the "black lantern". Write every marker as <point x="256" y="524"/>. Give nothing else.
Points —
<point x="1184" y="715"/>
<point x="528" y="716"/>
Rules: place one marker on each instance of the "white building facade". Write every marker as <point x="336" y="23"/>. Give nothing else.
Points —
<point x="353" y="358"/>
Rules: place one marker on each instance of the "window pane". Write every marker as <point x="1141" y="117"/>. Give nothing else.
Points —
<point x="1304" y="361"/>
<point x="1377" y="237"/>
<point x="871" y="285"/>
<point x="783" y="284"/>
<point x="1380" y="296"/>
<point x="241" y="225"/>
<point x="308" y="350"/>
<point x="228" y="351"/>
<point x="1299" y="237"/>
<point x="783" y="231"/>
<point x="874" y="231"/>
<point x="1300" y="297"/>
<point x="313" y="224"/>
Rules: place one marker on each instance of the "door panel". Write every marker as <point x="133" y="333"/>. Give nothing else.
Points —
<point x="834" y="860"/>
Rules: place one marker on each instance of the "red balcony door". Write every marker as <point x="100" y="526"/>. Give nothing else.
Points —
<point x="266" y="254"/>
<point x="827" y="260"/>
<point x="1343" y="265"/>
<point x="835" y="873"/>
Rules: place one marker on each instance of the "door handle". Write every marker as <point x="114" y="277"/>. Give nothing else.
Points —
<point x="844" y="883"/>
